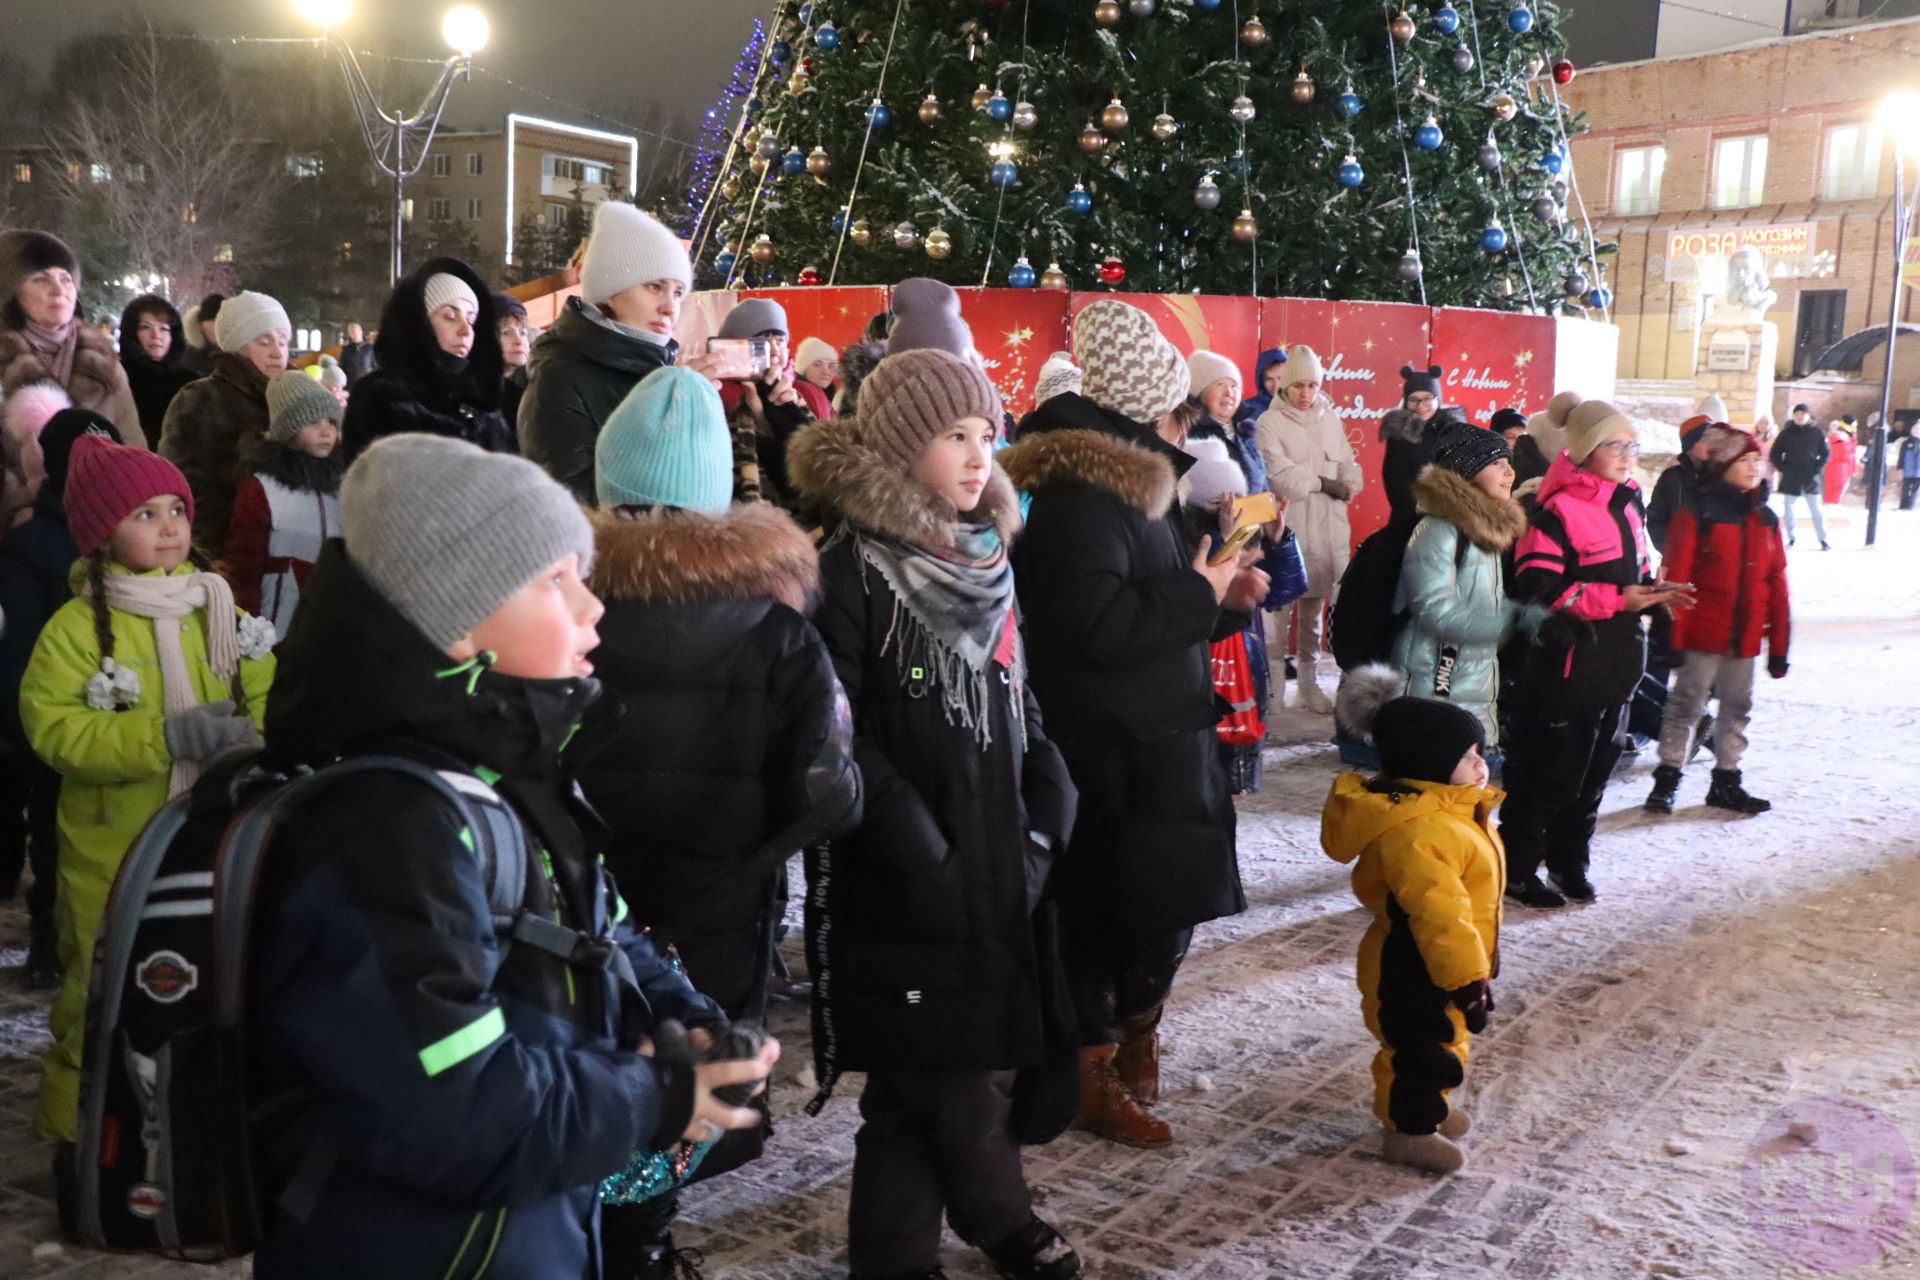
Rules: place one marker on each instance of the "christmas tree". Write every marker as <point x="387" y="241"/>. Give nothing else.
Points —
<point x="1326" y="148"/>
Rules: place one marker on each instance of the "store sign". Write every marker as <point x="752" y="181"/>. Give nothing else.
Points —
<point x="1784" y="245"/>
<point x="1729" y="353"/>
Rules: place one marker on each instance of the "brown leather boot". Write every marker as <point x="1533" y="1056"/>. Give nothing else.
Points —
<point x="1108" y="1110"/>
<point x="1138" y="1061"/>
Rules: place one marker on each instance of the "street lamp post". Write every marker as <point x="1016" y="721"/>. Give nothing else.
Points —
<point x="1899" y="118"/>
<point x="397" y="142"/>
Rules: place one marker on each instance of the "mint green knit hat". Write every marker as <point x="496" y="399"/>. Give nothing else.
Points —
<point x="666" y="445"/>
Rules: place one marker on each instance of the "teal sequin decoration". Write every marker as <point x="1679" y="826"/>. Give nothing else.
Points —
<point x="654" y="1173"/>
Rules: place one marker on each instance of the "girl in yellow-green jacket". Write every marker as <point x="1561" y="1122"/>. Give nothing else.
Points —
<point x="1429" y="866"/>
<point x="148" y="673"/>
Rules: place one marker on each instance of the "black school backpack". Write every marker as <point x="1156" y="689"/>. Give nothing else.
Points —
<point x="1365" y="624"/>
<point x="166" y="1160"/>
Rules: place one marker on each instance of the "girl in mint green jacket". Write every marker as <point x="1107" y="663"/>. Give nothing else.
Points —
<point x="147" y="674"/>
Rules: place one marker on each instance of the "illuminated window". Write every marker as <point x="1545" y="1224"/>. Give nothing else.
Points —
<point x="1853" y="162"/>
<point x="1739" y="171"/>
<point x="1637" y="175"/>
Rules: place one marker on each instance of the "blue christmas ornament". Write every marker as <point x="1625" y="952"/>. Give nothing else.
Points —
<point x="724" y="264"/>
<point x="1349" y="105"/>
<point x="1021" y="275"/>
<point x="806" y="13"/>
<point x="1446" y="19"/>
<point x="793" y="163"/>
<point x="1240" y="166"/>
<point x="1554" y="161"/>
<point x="1519" y="19"/>
<point x="754" y="105"/>
<point x="1004" y="173"/>
<point x="1494" y="238"/>
<point x="1206" y="6"/>
<point x="1079" y="200"/>
<point x="1600" y="297"/>
<point x="879" y="115"/>
<point x="1428" y="136"/>
<point x="999" y="109"/>
<point x="827" y="38"/>
<point x="839" y="221"/>
<point x="1350" y="174"/>
<point x="781" y="52"/>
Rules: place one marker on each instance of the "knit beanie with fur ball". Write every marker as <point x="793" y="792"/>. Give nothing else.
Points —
<point x="247" y="315"/>
<point x="295" y="402"/>
<point x="448" y="532"/>
<point x="106" y="481"/>
<point x="1591" y="422"/>
<point x="914" y="396"/>
<point x="1419" y="739"/>
<point x="1058" y="376"/>
<point x="627" y="248"/>
<point x="1204" y="368"/>
<point x="1726" y="445"/>
<point x="1128" y="366"/>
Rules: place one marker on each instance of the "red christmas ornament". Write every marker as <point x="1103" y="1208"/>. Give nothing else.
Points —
<point x="1563" y="72"/>
<point x="810" y="275"/>
<point x="806" y="64"/>
<point x="1112" y="270"/>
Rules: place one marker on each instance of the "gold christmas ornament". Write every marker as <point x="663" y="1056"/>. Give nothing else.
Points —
<point x="1053" y="277"/>
<point x="1253" y="33"/>
<point x="1092" y="141"/>
<point x="861" y="233"/>
<point x="1401" y="28"/>
<point x="730" y="188"/>
<point x="981" y="97"/>
<point x="1303" y="89"/>
<point x="759" y="165"/>
<point x="799" y="83"/>
<point x="1505" y="107"/>
<point x="939" y="244"/>
<point x="1114" y="117"/>
<point x="930" y="110"/>
<point x="763" y="249"/>
<point x="819" y="163"/>
<point x="1245" y="227"/>
<point x="1107" y="13"/>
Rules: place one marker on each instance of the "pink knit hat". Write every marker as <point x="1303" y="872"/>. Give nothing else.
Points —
<point x="106" y="481"/>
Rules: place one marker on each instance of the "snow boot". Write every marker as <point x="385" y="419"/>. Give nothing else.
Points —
<point x="1137" y="1062"/>
<point x="1531" y="893"/>
<point x="1310" y="696"/>
<point x="1457" y="1124"/>
<point x="1108" y="1111"/>
<point x="1573" y="886"/>
<point x="1034" y="1252"/>
<point x="1727" y="793"/>
<point x="1666" y="787"/>
<point x="1431" y="1151"/>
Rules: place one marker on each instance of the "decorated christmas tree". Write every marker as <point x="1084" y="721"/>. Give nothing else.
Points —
<point x="1326" y="148"/>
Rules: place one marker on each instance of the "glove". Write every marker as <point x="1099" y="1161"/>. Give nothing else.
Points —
<point x="1338" y="490"/>
<point x="1475" y="1000"/>
<point x="1777" y="666"/>
<point x="208" y="730"/>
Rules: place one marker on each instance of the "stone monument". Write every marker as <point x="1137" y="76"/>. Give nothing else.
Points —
<point x="1738" y="344"/>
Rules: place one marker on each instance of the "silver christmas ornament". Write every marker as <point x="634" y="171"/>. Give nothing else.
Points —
<point x="1206" y="194"/>
<point x="1140" y="8"/>
<point x="906" y="235"/>
<point x="1463" y="59"/>
<point x="1547" y="209"/>
<point x="1165" y="126"/>
<point x="1024" y="115"/>
<point x="1575" y="284"/>
<point x="1409" y="268"/>
<point x="1242" y="109"/>
<point x="1488" y="156"/>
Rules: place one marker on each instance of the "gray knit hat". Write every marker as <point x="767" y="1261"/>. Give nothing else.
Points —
<point x="926" y="316"/>
<point x="295" y="401"/>
<point x="1129" y="366"/>
<point x="753" y="317"/>
<point x="911" y="397"/>
<point x="448" y="532"/>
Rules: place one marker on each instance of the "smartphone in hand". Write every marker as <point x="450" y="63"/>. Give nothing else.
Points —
<point x="740" y="359"/>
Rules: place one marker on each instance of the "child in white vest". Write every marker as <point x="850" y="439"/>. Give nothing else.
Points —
<point x="288" y="508"/>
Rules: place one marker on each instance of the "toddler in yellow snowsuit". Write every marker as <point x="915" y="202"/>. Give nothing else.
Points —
<point x="1429" y="865"/>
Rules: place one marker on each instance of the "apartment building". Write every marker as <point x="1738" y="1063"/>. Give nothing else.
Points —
<point x="1770" y="145"/>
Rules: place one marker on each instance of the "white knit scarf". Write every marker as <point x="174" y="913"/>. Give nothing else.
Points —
<point x="171" y="599"/>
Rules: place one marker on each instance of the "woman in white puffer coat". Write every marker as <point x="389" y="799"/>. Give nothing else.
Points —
<point x="1310" y="463"/>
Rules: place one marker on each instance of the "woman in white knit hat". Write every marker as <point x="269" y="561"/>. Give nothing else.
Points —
<point x="213" y="424"/>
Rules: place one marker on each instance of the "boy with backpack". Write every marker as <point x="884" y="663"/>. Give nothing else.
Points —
<point x="437" y="1098"/>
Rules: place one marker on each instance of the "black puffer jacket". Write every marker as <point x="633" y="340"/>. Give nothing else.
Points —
<point x="920" y="926"/>
<point x="419" y="387"/>
<point x="474" y="1097"/>
<point x="1117" y="626"/>
<point x="1800" y="455"/>
<point x="732" y="740"/>
<point x="154" y="383"/>
<point x="1409" y="444"/>
<point x="581" y="369"/>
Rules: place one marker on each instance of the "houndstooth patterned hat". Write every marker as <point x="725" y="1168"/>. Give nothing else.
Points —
<point x="1128" y="366"/>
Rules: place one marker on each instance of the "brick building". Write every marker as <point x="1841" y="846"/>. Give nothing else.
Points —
<point x="1770" y="144"/>
<point x="494" y="179"/>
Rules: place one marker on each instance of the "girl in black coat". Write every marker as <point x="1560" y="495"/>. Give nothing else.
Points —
<point x="439" y="374"/>
<point x="926" y="927"/>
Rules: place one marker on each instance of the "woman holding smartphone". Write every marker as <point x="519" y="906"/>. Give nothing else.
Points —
<point x="1587" y="559"/>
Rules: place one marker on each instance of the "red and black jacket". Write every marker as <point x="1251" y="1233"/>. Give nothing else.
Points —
<point x="1727" y="544"/>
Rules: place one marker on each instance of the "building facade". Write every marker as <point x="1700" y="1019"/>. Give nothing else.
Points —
<point x="1770" y="146"/>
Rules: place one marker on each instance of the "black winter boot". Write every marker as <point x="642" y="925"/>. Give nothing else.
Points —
<point x="1666" y="786"/>
<point x="1727" y="793"/>
<point x="1035" y="1252"/>
<point x="1530" y="892"/>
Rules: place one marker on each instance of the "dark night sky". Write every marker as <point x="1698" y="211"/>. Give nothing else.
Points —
<point x="595" y="52"/>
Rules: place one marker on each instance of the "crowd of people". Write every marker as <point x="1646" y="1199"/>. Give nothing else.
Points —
<point x="684" y="626"/>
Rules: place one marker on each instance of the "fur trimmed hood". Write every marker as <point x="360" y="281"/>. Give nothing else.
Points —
<point x="667" y="555"/>
<point x="1488" y="523"/>
<point x="830" y="465"/>
<point x="1132" y="473"/>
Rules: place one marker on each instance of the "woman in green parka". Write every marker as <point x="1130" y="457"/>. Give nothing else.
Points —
<point x="148" y="673"/>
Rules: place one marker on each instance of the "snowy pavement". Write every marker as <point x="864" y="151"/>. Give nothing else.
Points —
<point x="1730" y="967"/>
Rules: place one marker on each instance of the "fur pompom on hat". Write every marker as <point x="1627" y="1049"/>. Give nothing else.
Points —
<point x="1413" y="381"/>
<point x="1058" y="376"/>
<point x="1591" y="422"/>
<point x="627" y="248"/>
<point x="1127" y="364"/>
<point x="1726" y="445"/>
<point x="913" y="396"/>
<point x="1419" y="739"/>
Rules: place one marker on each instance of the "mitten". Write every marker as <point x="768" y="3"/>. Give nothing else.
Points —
<point x="1475" y="1001"/>
<point x="1777" y="666"/>
<point x="206" y="731"/>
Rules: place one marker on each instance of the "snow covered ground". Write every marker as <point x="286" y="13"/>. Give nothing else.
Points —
<point x="1730" y="968"/>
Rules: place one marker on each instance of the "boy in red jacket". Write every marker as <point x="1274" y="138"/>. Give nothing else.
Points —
<point x="1726" y="542"/>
